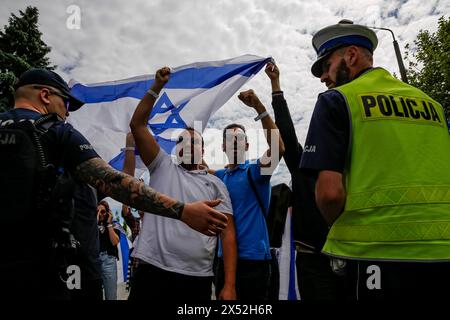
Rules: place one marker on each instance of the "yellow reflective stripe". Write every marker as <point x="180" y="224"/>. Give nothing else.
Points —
<point x="411" y="231"/>
<point x="397" y="196"/>
<point x="399" y="251"/>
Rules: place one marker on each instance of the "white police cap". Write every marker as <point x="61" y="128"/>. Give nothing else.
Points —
<point x="345" y="33"/>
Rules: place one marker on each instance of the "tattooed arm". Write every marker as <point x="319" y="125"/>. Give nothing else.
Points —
<point x="128" y="190"/>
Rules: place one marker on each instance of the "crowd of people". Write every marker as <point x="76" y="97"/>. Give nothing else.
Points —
<point x="370" y="193"/>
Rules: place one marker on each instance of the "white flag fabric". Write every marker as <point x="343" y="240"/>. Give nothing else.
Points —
<point x="286" y="259"/>
<point x="194" y="92"/>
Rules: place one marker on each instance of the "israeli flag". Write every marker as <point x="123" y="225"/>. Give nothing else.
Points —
<point x="124" y="255"/>
<point x="193" y="93"/>
<point x="286" y="261"/>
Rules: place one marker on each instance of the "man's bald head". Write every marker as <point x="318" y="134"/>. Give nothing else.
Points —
<point x="26" y="92"/>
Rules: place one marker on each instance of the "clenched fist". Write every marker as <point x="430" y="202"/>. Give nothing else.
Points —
<point x="250" y="99"/>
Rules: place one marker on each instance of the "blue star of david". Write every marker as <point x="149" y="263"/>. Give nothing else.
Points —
<point x="174" y="120"/>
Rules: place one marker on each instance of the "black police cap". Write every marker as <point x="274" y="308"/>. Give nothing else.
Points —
<point x="49" y="78"/>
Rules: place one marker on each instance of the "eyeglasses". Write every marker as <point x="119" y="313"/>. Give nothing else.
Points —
<point x="65" y="98"/>
<point x="101" y="211"/>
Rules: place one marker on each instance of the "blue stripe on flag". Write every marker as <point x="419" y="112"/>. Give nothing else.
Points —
<point x="118" y="161"/>
<point x="166" y="144"/>
<point x="125" y="249"/>
<point x="189" y="78"/>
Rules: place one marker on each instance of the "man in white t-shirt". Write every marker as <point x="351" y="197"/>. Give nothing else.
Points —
<point x="175" y="262"/>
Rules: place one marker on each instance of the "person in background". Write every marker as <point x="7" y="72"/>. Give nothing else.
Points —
<point x="316" y="280"/>
<point x="174" y="262"/>
<point x="42" y="103"/>
<point x="109" y="254"/>
<point x="249" y="188"/>
<point x="134" y="223"/>
<point x="85" y="230"/>
<point x="129" y="166"/>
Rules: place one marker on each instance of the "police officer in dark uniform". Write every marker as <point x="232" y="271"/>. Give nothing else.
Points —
<point x="28" y="258"/>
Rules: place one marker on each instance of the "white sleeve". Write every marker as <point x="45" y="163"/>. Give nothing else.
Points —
<point x="161" y="158"/>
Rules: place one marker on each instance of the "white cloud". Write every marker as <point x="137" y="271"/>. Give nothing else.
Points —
<point x="120" y="39"/>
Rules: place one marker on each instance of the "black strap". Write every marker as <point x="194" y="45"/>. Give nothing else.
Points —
<point x="44" y="123"/>
<point x="41" y="127"/>
<point x="252" y="185"/>
<point x="263" y="209"/>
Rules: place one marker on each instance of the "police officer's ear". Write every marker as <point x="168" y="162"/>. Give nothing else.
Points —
<point x="44" y="96"/>
<point x="351" y="55"/>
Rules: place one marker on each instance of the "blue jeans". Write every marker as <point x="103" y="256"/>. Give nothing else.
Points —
<point x="109" y="275"/>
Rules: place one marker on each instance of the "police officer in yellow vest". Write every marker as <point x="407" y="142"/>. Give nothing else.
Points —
<point x="380" y="151"/>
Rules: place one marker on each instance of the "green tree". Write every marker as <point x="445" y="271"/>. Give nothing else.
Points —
<point x="21" y="48"/>
<point x="429" y="66"/>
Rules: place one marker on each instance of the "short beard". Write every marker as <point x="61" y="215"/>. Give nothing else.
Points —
<point x="342" y="74"/>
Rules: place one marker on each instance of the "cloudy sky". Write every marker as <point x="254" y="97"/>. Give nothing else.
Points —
<point x="119" y="39"/>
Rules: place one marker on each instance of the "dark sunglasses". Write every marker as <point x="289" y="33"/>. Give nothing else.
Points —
<point x="101" y="211"/>
<point x="65" y="98"/>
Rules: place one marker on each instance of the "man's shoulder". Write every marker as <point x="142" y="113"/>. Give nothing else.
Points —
<point x="162" y="161"/>
<point x="51" y="123"/>
<point x="330" y="103"/>
<point x="220" y="173"/>
<point x="5" y="115"/>
<point x="216" y="177"/>
<point x="18" y="114"/>
<point x="331" y="95"/>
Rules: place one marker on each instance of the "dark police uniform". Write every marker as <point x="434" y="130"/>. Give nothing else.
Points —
<point x="27" y="268"/>
<point x="327" y="142"/>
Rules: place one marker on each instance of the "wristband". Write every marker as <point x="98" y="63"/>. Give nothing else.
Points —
<point x="261" y="115"/>
<point x="127" y="149"/>
<point x="153" y="93"/>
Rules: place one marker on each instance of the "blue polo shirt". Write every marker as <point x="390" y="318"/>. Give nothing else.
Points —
<point x="251" y="229"/>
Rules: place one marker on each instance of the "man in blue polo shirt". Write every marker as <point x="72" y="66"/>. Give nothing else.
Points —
<point x="248" y="184"/>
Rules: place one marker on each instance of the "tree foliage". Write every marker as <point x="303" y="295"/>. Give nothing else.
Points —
<point x="21" y="48"/>
<point x="429" y="66"/>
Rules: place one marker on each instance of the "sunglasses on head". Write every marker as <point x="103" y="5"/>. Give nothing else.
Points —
<point x="65" y="98"/>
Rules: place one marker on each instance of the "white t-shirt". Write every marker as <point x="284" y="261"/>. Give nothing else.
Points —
<point x="168" y="243"/>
